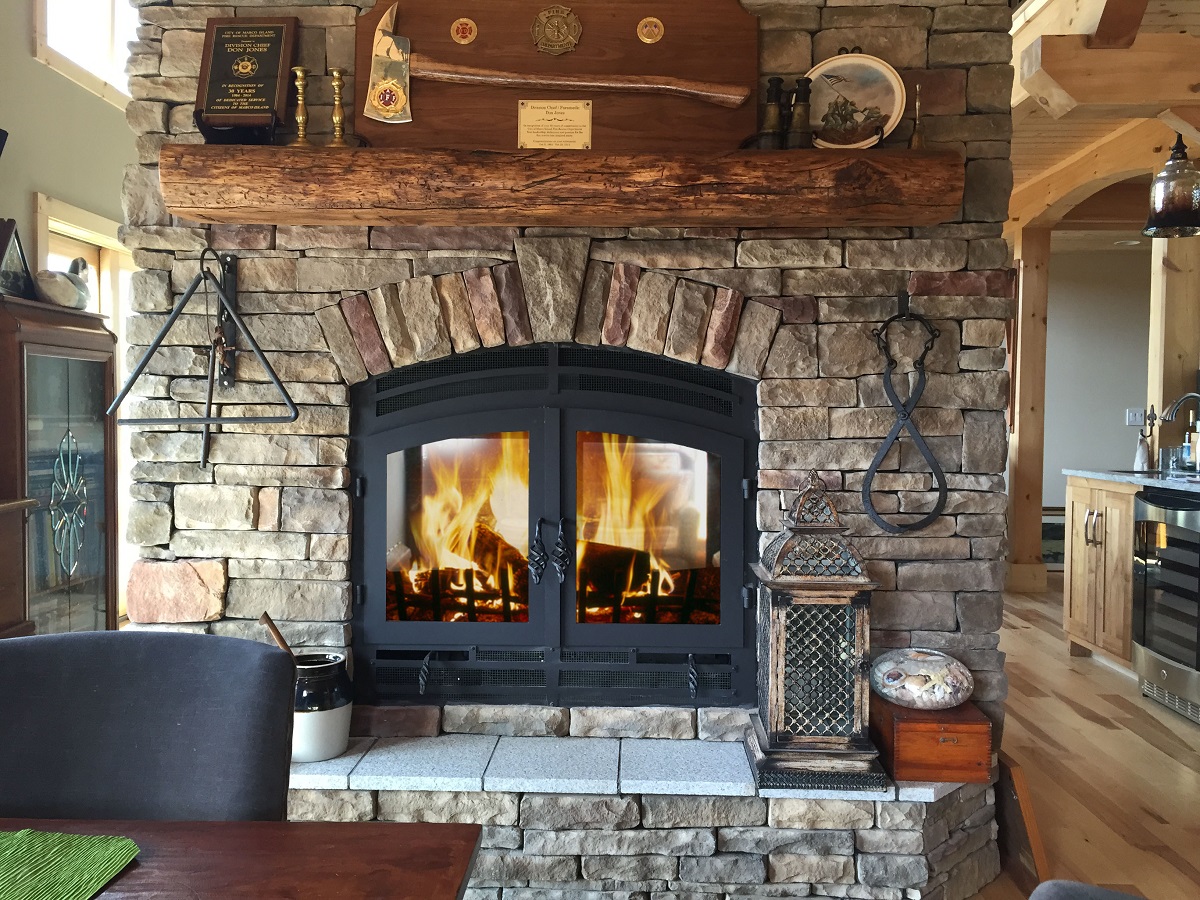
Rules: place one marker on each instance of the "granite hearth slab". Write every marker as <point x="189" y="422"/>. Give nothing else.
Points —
<point x="452" y="762"/>
<point x="685" y="767"/>
<point x="889" y="793"/>
<point x="330" y="774"/>
<point x="554" y="765"/>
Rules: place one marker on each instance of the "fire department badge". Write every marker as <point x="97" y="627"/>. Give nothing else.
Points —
<point x="245" y="66"/>
<point x="556" y="30"/>
<point x="388" y="98"/>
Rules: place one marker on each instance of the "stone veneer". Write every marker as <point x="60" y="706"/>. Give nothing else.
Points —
<point x="696" y="842"/>
<point x="266" y="524"/>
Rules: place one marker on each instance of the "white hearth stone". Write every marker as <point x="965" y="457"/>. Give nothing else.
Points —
<point x="685" y="767"/>
<point x="452" y="762"/>
<point x="330" y="774"/>
<point x="889" y="793"/>
<point x="554" y="765"/>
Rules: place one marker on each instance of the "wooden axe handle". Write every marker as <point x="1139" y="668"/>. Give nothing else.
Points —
<point x="729" y="95"/>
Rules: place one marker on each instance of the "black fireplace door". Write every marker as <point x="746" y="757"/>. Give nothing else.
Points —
<point x="554" y="525"/>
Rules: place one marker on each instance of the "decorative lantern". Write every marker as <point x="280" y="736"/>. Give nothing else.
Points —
<point x="814" y="648"/>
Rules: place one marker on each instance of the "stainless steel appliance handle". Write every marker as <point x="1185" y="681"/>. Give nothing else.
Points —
<point x="1087" y="522"/>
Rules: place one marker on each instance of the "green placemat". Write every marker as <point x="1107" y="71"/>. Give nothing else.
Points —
<point x="44" y="865"/>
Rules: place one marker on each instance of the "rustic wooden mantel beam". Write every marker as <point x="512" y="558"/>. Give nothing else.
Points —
<point x="376" y="186"/>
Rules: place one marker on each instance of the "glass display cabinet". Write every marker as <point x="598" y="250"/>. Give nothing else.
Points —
<point x="57" y="501"/>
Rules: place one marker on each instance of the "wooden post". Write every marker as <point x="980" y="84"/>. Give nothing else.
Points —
<point x="1174" y="331"/>
<point x="1026" y="570"/>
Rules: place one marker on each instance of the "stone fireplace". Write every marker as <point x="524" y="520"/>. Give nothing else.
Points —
<point x="783" y="316"/>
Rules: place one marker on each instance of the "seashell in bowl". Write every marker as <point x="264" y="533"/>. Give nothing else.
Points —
<point x="921" y="679"/>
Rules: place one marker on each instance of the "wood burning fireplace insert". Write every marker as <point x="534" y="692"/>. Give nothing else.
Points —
<point x="554" y="524"/>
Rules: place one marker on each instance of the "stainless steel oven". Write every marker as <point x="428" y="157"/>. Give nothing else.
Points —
<point x="1166" y="598"/>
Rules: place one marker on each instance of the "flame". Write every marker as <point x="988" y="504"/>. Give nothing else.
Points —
<point x="629" y="513"/>
<point x="493" y="475"/>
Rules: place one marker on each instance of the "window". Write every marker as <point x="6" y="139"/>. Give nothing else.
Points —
<point x="86" y="40"/>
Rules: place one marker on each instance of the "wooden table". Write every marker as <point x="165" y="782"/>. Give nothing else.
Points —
<point x="301" y="860"/>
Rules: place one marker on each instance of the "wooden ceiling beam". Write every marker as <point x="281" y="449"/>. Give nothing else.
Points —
<point x="1134" y="148"/>
<point x="1119" y="24"/>
<point x="1185" y="120"/>
<point x="1040" y="17"/>
<point x="1156" y="73"/>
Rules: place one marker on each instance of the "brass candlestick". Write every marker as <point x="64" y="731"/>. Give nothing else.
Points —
<point x="301" y="140"/>
<point x="917" y="141"/>
<point x="339" y="114"/>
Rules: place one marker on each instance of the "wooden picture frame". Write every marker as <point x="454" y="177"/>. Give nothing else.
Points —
<point x="1022" y="853"/>
<point x="15" y="278"/>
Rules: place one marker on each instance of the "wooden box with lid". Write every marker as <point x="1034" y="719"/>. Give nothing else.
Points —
<point x="932" y="744"/>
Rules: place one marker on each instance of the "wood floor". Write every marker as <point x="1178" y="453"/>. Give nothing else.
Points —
<point x="1115" y="778"/>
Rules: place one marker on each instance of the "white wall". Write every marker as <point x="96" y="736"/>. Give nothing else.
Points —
<point x="62" y="140"/>
<point x="1097" y="333"/>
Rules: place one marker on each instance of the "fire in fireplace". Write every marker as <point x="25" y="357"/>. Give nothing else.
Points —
<point x="555" y="524"/>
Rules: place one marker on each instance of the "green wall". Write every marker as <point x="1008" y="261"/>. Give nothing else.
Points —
<point x="62" y="140"/>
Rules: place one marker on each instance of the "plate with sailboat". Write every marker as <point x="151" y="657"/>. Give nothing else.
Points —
<point x="857" y="101"/>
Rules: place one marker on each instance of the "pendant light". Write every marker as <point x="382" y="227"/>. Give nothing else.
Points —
<point x="1175" y="197"/>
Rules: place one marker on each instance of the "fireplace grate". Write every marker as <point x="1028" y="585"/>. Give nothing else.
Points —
<point x="819" y="670"/>
<point x="511" y="655"/>
<point x="464" y="364"/>
<point x="658" y="681"/>
<point x="457" y="389"/>
<point x="578" y="357"/>
<point x="822" y="781"/>
<point x="460" y="677"/>
<point x="615" y="657"/>
<point x="613" y="384"/>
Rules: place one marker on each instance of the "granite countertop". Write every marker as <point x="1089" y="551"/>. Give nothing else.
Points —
<point x="563" y="765"/>
<point x="1190" y="483"/>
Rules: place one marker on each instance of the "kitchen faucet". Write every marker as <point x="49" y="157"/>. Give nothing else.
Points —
<point x="1168" y="414"/>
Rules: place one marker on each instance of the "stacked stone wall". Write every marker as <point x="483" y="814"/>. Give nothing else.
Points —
<point x="265" y="525"/>
<point x="660" y="847"/>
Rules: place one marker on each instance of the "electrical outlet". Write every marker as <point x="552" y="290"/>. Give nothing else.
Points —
<point x="1135" y="417"/>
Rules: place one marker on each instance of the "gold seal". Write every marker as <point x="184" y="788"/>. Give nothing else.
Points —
<point x="556" y="30"/>
<point x="650" y="30"/>
<point x="245" y="66"/>
<point x="464" y="30"/>
<point x="388" y="98"/>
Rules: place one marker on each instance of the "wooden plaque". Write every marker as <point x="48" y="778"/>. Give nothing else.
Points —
<point x="714" y="43"/>
<point x="244" y="71"/>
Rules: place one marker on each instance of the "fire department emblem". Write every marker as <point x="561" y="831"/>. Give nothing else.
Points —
<point x="464" y="31"/>
<point x="388" y="98"/>
<point x="556" y="30"/>
<point x="245" y="66"/>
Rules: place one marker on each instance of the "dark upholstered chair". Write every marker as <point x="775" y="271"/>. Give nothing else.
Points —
<point x="1074" y="890"/>
<point x="144" y="725"/>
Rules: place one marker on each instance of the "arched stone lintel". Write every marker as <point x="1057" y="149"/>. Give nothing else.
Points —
<point x="614" y="304"/>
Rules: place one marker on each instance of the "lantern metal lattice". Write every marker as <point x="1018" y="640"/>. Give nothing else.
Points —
<point x="814" y="649"/>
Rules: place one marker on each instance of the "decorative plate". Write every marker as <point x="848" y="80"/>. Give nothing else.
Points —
<point x="921" y="679"/>
<point x="854" y="96"/>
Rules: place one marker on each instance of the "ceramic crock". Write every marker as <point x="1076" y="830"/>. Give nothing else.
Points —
<point x="324" y="702"/>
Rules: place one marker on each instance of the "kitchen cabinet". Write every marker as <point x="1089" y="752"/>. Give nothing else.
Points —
<point x="57" y="497"/>
<point x="1098" y="584"/>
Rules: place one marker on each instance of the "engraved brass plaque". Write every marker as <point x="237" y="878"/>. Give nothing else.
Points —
<point x="554" y="125"/>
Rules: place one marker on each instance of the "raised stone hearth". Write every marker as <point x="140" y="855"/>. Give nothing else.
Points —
<point x="266" y="524"/>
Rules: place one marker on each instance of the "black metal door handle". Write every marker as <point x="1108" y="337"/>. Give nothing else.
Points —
<point x="537" y="554"/>
<point x="562" y="552"/>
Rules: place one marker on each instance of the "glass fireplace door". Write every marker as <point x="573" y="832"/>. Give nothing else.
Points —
<point x="449" y="543"/>
<point x="648" y="504"/>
